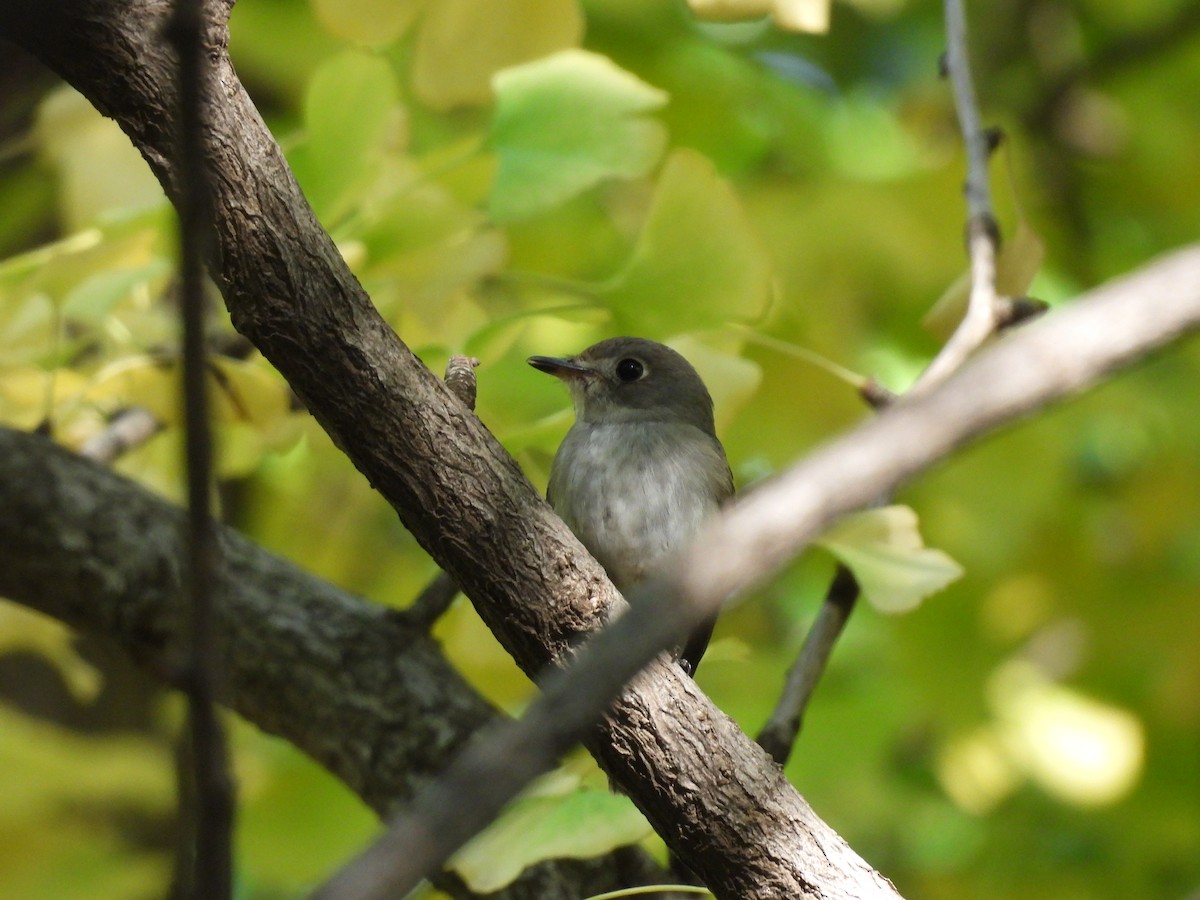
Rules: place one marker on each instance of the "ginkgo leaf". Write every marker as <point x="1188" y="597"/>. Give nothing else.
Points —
<point x="697" y="264"/>
<point x="884" y="550"/>
<point x="352" y="113"/>
<point x="30" y="395"/>
<point x="461" y="44"/>
<point x="371" y="22"/>
<point x="565" y="123"/>
<point x="78" y="141"/>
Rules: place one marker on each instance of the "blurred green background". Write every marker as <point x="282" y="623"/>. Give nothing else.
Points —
<point x="754" y="197"/>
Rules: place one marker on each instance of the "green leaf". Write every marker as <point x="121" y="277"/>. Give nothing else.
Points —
<point x="93" y="299"/>
<point x="79" y="143"/>
<point x="698" y="263"/>
<point x="352" y="114"/>
<point x="884" y="550"/>
<point x="548" y="824"/>
<point x="566" y="123"/>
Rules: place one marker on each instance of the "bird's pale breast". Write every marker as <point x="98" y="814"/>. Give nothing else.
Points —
<point x="632" y="493"/>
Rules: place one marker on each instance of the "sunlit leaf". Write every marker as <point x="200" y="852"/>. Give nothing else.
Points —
<point x="80" y="142"/>
<point x="1019" y="261"/>
<point x="28" y="329"/>
<point x="884" y="550"/>
<point x="30" y="395"/>
<point x="1077" y="748"/>
<point x="93" y="300"/>
<point x="802" y="15"/>
<point x="68" y="814"/>
<point x="247" y="391"/>
<point x="138" y="381"/>
<point x="697" y="264"/>
<point x="426" y="252"/>
<point x="352" y="114"/>
<point x="462" y="43"/>
<point x="565" y="123"/>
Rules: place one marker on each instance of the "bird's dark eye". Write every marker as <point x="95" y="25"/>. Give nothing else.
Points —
<point x="630" y="370"/>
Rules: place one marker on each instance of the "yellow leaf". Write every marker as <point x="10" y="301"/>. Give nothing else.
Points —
<point x="884" y="550"/>
<point x="21" y="629"/>
<point x="371" y="22"/>
<point x="463" y="42"/>
<point x="697" y="264"/>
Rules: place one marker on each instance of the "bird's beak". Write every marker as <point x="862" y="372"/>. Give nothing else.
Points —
<point x="559" y="368"/>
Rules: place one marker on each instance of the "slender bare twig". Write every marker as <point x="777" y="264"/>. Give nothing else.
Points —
<point x="433" y="601"/>
<point x="211" y="865"/>
<point x="436" y="597"/>
<point x="982" y="314"/>
<point x="778" y="736"/>
<point x="1112" y="326"/>
<point x="460" y="378"/>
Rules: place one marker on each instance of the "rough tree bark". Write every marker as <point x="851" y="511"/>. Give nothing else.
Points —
<point x="712" y="793"/>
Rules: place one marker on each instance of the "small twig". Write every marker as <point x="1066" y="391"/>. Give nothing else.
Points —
<point x="433" y="601"/>
<point x="958" y="69"/>
<point x="208" y="872"/>
<point x="875" y="395"/>
<point x="981" y="317"/>
<point x="460" y="378"/>
<point x="1014" y="311"/>
<point x="778" y="736"/>
<point x="982" y="314"/>
<point x="128" y="429"/>
<point x="436" y="597"/>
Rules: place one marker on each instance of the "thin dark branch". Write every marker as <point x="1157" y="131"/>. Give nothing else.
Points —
<point x="211" y="863"/>
<point x="1112" y="326"/>
<point x="778" y="736"/>
<point x="433" y="601"/>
